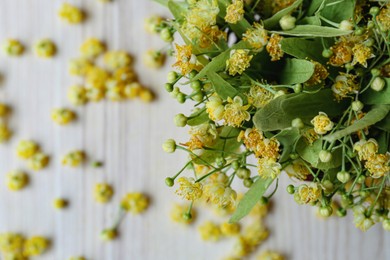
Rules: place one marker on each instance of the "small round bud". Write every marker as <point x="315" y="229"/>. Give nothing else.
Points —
<point x="297" y="88"/>
<point x="325" y="156"/>
<point x="220" y="161"/>
<point x="196" y="85"/>
<point x="169" y="181"/>
<point x="235" y="165"/>
<point x="181" y="98"/>
<point x="375" y="72"/>
<point x="169" y="146"/>
<point x="341" y="212"/>
<point x="60" y="203"/>
<point x="290" y="189"/>
<point x="374" y="10"/>
<point x="187" y="216"/>
<point x="351" y="154"/>
<point x="364" y="194"/>
<point x="297" y="123"/>
<point x="172" y="76"/>
<point x="369" y="42"/>
<point x="359" y="31"/>
<point x="248" y="182"/>
<point x="108" y="234"/>
<point x="175" y="92"/>
<point x="343" y="176"/>
<point x="346" y="25"/>
<point x="357" y="106"/>
<point x="326" y="211"/>
<point x="294" y="156"/>
<point x="180" y="120"/>
<point x="349" y="66"/>
<point x="264" y="200"/>
<point x="168" y="87"/>
<point x="370" y="24"/>
<point x="279" y="93"/>
<point x="243" y="173"/>
<point x="378" y="84"/>
<point x="361" y="179"/>
<point x="328" y="185"/>
<point x="287" y="22"/>
<point x="166" y="35"/>
<point x="198" y="97"/>
<point x="327" y="53"/>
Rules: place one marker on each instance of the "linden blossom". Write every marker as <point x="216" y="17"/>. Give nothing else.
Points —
<point x="296" y="94"/>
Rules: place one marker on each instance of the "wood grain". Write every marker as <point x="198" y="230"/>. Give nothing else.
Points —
<point x="127" y="137"/>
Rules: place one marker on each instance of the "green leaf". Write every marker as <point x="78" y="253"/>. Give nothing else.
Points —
<point x="279" y="113"/>
<point x="197" y="118"/>
<point x="338" y="10"/>
<point x="219" y="63"/>
<point x="313" y="31"/>
<point x="310" y="153"/>
<point x="376" y="114"/>
<point x="178" y="9"/>
<point x="222" y="87"/>
<point x="372" y="97"/>
<point x="383" y="142"/>
<point x="312" y="20"/>
<point x="313" y="7"/>
<point x="384" y="124"/>
<point x="287" y="138"/>
<point x="296" y="71"/>
<point x="241" y="26"/>
<point x="251" y="197"/>
<point x="303" y="49"/>
<point x="273" y="22"/>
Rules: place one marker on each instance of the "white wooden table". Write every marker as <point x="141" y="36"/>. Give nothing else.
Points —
<point x="127" y="137"/>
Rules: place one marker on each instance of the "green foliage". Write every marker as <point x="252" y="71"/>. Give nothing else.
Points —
<point x="296" y="71"/>
<point x="251" y="197"/>
<point x="221" y="87"/>
<point x="273" y="22"/>
<point x="313" y="31"/>
<point x="287" y="137"/>
<point x="198" y="117"/>
<point x="372" y="97"/>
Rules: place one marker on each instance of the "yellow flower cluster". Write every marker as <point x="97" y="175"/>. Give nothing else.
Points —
<point x="319" y="75"/>
<point x="256" y="36"/>
<point x="258" y="96"/>
<point x="189" y="189"/>
<point x="13" y="47"/>
<point x="215" y="108"/>
<point x="383" y="18"/>
<point x="217" y="191"/>
<point x="377" y="164"/>
<point x="238" y="62"/>
<point x="344" y="85"/>
<point x="135" y="203"/>
<point x="45" y="48"/>
<point x="253" y="235"/>
<point x="307" y="193"/>
<point x="297" y="170"/>
<point x="235" y="12"/>
<point x="322" y="124"/>
<point x="103" y="192"/>
<point x="153" y="59"/>
<point x="30" y="151"/>
<point x="270" y="255"/>
<point x="17" y="180"/>
<point x="185" y="59"/>
<point x="209" y="231"/>
<point x="71" y="14"/>
<point x="63" y="116"/>
<point x="274" y="48"/>
<point x="266" y="151"/>
<point x="202" y="135"/>
<point x="16" y="246"/>
<point x="235" y="112"/>
<point x="116" y="81"/>
<point x="74" y="158"/>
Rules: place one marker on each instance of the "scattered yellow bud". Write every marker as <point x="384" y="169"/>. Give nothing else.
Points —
<point x="16" y="180"/>
<point x="5" y="132"/>
<point x="103" y="192"/>
<point x="62" y="116"/>
<point x="45" y="48"/>
<point x="70" y="14"/>
<point x="77" y="95"/>
<point x="38" y="161"/>
<point x="135" y="202"/>
<point x="35" y="246"/>
<point x="92" y="48"/>
<point x="13" y="47"/>
<point x="26" y="149"/>
<point x="117" y="59"/>
<point x="60" y="203"/>
<point x="153" y="59"/>
<point x="74" y="159"/>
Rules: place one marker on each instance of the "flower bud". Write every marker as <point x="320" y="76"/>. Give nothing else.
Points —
<point x="375" y="72"/>
<point x="169" y="181"/>
<point x="180" y="120"/>
<point x="172" y="76"/>
<point x="166" y="35"/>
<point x="287" y="22"/>
<point x="326" y="211"/>
<point x="297" y="123"/>
<point x="243" y="173"/>
<point x="328" y="185"/>
<point x="325" y="156"/>
<point x="341" y="212"/>
<point x="181" y="98"/>
<point x="198" y="97"/>
<point x="196" y="85"/>
<point x="248" y="182"/>
<point x="168" y="87"/>
<point x="297" y="88"/>
<point x="235" y="165"/>
<point x="169" y="146"/>
<point x="346" y="25"/>
<point x="357" y="106"/>
<point x="327" y="53"/>
<point x="374" y="10"/>
<point x="378" y="84"/>
<point x="108" y="234"/>
<point x="290" y="189"/>
<point x="343" y="176"/>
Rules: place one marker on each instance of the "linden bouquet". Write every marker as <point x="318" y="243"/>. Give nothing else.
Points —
<point x="301" y="86"/>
